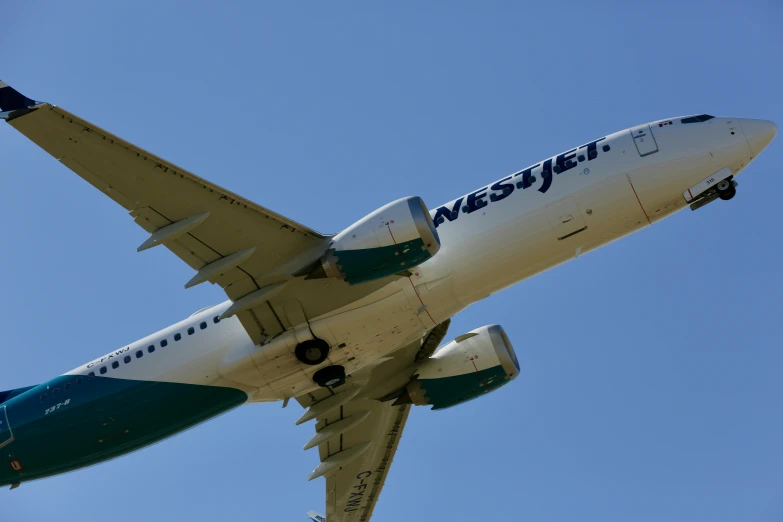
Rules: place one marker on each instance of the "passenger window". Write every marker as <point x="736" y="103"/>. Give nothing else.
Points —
<point x="115" y="365"/>
<point x="55" y="392"/>
<point x="127" y="359"/>
<point x="103" y="370"/>
<point x="203" y="325"/>
<point x="216" y="319"/>
<point x="78" y="381"/>
<point x="581" y="157"/>
<point x="151" y="348"/>
<point x="163" y="343"/>
<point x="91" y="375"/>
<point x="557" y="169"/>
<point x="606" y="148"/>
<point x="67" y="386"/>
<point x="177" y="337"/>
<point x="43" y="397"/>
<point x="191" y="330"/>
<point x="139" y="353"/>
<point x="592" y="154"/>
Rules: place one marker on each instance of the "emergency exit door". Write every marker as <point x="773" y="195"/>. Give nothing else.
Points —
<point x="6" y="435"/>
<point x="644" y="140"/>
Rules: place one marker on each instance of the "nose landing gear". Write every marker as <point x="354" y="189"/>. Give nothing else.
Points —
<point x="725" y="190"/>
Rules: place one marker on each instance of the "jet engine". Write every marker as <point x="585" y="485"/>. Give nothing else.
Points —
<point x="470" y="366"/>
<point x="395" y="237"/>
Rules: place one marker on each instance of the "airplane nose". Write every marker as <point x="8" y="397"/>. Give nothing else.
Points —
<point x="758" y="133"/>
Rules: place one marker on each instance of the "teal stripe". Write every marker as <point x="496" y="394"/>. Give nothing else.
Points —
<point x="368" y="264"/>
<point x="10" y="394"/>
<point x="103" y="418"/>
<point x="450" y="391"/>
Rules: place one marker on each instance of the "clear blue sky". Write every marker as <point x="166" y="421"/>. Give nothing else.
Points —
<point x="651" y="369"/>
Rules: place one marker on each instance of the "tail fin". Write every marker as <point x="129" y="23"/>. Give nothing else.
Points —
<point x="315" y="517"/>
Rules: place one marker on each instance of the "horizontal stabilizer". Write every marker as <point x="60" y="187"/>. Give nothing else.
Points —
<point x="315" y="517"/>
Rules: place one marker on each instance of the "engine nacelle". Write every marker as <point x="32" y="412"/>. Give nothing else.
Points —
<point x="395" y="237"/>
<point x="470" y="366"/>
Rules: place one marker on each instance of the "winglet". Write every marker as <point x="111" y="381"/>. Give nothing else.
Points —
<point x="12" y="101"/>
<point x="315" y="517"/>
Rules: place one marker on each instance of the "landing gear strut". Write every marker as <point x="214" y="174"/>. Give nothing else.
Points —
<point x="330" y="376"/>
<point x="312" y="352"/>
<point x="726" y="189"/>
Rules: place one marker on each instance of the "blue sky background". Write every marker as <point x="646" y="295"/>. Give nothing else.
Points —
<point x="651" y="369"/>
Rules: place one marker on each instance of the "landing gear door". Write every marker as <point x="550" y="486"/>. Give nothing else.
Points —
<point x="6" y="435"/>
<point x="644" y="140"/>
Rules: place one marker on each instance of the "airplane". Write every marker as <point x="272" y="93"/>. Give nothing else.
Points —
<point x="316" y="517"/>
<point x="350" y="325"/>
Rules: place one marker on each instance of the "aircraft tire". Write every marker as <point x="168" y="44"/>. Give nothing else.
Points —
<point x="728" y="194"/>
<point x="330" y="376"/>
<point x="726" y="189"/>
<point x="312" y="352"/>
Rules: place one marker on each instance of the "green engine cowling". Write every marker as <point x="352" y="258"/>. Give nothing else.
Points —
<point x="468" y="367"/>
<point x="394" y="238"/>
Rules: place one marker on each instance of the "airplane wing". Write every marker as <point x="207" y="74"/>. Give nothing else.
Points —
<point x="357" y="434"/>
<point x="229" y="240"/>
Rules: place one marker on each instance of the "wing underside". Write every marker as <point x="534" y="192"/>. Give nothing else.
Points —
<point x="357" y="434"/>
<point x="246" y="249"/>
<point x="229" y="240"/>
<point x="352" y="492"/>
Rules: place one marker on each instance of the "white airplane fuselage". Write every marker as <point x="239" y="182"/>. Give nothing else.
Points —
<point x="490" y="239"/>
<point x="503" y="233"/>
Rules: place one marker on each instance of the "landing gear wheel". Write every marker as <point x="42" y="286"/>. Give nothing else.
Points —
<point x="330" y="376"/>
<point x="726" y="189"/>
<point x="312" y="352"/>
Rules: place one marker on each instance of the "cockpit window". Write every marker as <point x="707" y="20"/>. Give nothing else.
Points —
<point x="697" y="119"/>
